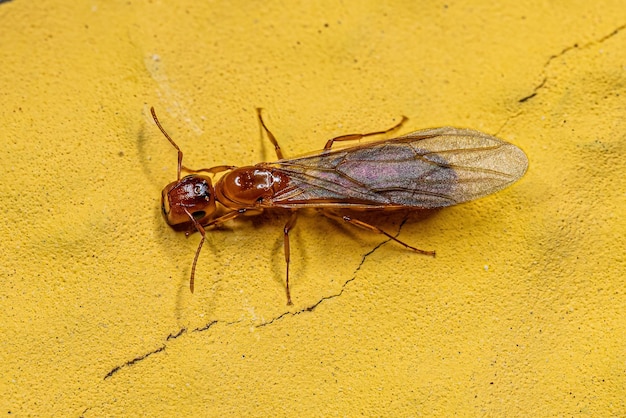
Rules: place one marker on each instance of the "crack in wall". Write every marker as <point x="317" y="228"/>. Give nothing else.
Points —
<point x="183" y="331"/>
<point x="171" y="336"/>
<point x="133" y="361"/>
<point x="343" y="287"/>
<point x="565" y="51"/>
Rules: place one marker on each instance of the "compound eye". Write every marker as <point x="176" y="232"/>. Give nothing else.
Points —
<point x="197" y="215"/>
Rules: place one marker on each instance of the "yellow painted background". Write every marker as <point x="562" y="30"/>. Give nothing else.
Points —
<point x="521" y="313"/>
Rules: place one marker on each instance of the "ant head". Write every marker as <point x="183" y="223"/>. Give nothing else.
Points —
<point x="192" y="195"/>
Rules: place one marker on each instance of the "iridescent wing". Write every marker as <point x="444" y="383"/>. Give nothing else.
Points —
<point x="425" y="169"/>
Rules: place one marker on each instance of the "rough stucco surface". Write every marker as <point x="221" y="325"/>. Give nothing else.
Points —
<point x="520" y="314"/>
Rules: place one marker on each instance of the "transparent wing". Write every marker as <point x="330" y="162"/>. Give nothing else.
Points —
<point x="424" y="169"/>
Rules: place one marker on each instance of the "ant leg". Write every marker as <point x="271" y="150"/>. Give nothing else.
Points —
<point x="213" y="170"/>
<point x="372" y="228"/>
<point x="354" y="137"/>
<point x="227" y="217"/>
<point x="270" y="135"/>
<point x="290" y="223"/>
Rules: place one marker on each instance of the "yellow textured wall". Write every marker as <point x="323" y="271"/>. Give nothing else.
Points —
<point x="520" y="314"/>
